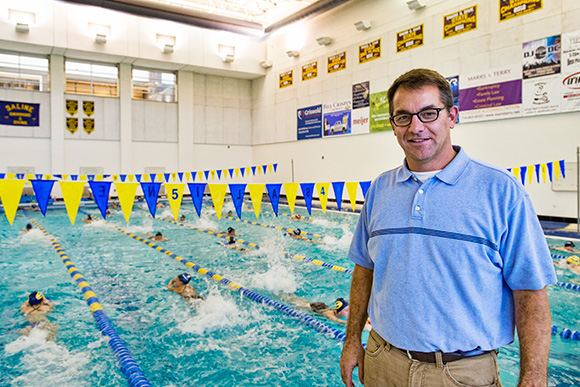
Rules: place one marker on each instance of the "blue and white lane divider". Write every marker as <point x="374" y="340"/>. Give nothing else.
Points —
<point x="127" y="363"/>
<point x="566" y="333"/>
<point x="252" y="295"/>
<point x="567" y="285"/>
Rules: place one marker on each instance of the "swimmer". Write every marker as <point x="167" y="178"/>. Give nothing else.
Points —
<point x="232" y="232"/>
<point x="114" y="205"/>
<point x="88" y="219"/>
<point x="160" y="205"/>
<point x="159" y="237"/>
<point x="231" y="244"/>
<point x="230" y="213"/>
<point x="298" y="217"/>
<point x="297" y="234"/>
<point x="568" y="247"/>
<point x="27" y="228"/>
<point x="571" y="263"/>
<point x="35" y="310"/>
<point x="337" y="313"/>
<point x="108" y="213"/>
<point x="34" y="208"/>
<point x="182" y="218"/>
<point x="180" y="285"/>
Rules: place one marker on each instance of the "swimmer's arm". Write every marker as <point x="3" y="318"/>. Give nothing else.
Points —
<point x="329" y="314"/>
<point x="171" y="285"/>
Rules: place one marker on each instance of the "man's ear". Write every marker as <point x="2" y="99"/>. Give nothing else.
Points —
<point x="453" y="114"/>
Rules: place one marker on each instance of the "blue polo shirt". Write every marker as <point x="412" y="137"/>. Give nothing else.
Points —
<point x="446" y="254"/>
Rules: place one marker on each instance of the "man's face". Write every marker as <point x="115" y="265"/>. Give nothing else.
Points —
<point x="427" y="146"/>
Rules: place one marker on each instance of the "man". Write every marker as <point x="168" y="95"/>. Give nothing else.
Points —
<point x="180" y="285"/>
<point x="159" y="237"/>
<point x="449" y="255"/>
<point x="35" y="310"/>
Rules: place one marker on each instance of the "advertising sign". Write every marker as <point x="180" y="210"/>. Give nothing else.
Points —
<point x="541" y="57"/>
<point x="570" y="80"/>
<point x="379" y="112"/>
<point x="337" y="118"/>
<point x="309" y="121"/>
<point x="286" y="79"/>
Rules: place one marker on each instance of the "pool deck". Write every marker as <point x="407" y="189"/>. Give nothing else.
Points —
<point x="562" y="230"/>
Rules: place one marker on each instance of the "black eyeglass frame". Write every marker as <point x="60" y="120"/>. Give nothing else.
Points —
<point x="438" y="110"/>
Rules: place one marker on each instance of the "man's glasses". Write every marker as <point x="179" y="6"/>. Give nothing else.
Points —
<point x="425" y="116"/>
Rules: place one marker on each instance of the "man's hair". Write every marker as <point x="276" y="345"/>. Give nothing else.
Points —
<point x="418" y="78"/>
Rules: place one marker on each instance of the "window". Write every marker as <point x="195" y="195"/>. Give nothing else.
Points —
<point x="154" y="85"/>
<point x="91" y="79"/>
<point x="23" y="72"/>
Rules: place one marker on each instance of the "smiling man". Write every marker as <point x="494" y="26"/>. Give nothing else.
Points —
<point x="449" y="259"/>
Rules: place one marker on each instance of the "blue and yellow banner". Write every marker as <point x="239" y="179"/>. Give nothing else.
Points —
<point x="19" y="113"/>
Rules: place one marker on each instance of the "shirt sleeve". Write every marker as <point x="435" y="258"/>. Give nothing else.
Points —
<point x="358" y="252"/>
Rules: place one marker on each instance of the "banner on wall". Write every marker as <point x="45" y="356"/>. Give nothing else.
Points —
<point x="541" y="95"/>
<point x="337" y="118"/>
<point x="360" y="107"/>
<point x="379" y="112"/>
<point x="336" y="62"/>
<point x="72" y="124"/>
<point x="286" y="79"/>
<point x="19" y="113"/>
<point x="509" y="9"/>
<point x="369" y="51"/>
<point x="89" y="108"/>
<point x="570" y="85"/>
<point x="495" y="94"/>
<point x="541" y="57"/>
<point x="454" y="84"/>
<point x="310" y="71"/>
<point x="309" y="122"/>
<point x="411" y="38"/>
<point x="72" y="106"/>
<point x="89" y="125"/>
<point x="460" y="22"/>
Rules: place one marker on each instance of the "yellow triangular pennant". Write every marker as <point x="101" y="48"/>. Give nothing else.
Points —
<point x="131" y="178"/>
<point x="174" y="195"/>
<point x="30" y="176"/>
<point x="48" y="177"/>
<point x="10" y="193"/>
<point x="556" y="168"/>
<point x="270" y="166"/>
<point x="115" y="177"/>
<point x="291" y="191"/>
<point x="99" y="177"/>
<point x="225" y="173"/>
<point x="237" y="171"/>
<point x="187" y="176"/>
<point x="65" y="177"/>
<point x="200" y="175"/>
<point x="322" y="189"/>
<point x="256" y="193"/>
<point x="218" y="194"/>
<point x="212" y="173"/>
<point x="126" y="193"/>
<point x="516" y="172"/>
<point x="544" y="169"/>
<point x="159" y="177"/>
<point x="72" y="192"/>
<point x="248" y="170"/>
<point x="351" y="189"/>
<point x="531" y="170"/>
<point x="11" y="176"/>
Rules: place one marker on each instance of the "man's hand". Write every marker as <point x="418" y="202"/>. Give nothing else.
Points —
<point x="352" y="356"/>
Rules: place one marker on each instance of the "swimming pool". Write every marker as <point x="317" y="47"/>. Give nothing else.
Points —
<point x="226" y="340"/>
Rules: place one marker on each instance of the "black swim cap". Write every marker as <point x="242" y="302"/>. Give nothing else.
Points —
<point x="185" y="278"/>
<point x="158" y="233"/>
<point x="297" y="231"/>
<point x="35" y="298"/>
<point x="28" y="226"/>
<point x="230" y="229"/>
<point x="569" y="244"/>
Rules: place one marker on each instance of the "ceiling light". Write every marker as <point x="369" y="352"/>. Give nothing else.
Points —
<point x="22" y="28"/>
<point x="415" y="4"/>
<point x="100" y="39"/>
<point x="324" y="40"/>
<point x="266" y="64"/>
<point x="363" y="25"/>
<point x="293" y="53"/>
<point x="167" y="49"/>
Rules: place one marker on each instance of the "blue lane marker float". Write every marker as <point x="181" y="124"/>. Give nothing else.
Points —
<point x="127" y="363"/>
<point x="567" y="285"/>
<point x="566" y="333"/>
<point x="310" y="218"/>
<point x="257" y="247"/>
<point x="252" y="295"/>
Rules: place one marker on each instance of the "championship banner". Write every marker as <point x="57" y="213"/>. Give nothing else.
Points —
<point x="570" y="85"/>
<point x="89" y="125"/>
<point x="494" y="94"/>
<point x="369" y="51"/>
<point x="72" y="106"/>
<point x="460" y="22"/>
<point x="410" y="38"/>
<point x="379" y="112"/>
<point x="72" y="124"/>
<point x="286" y="79"/>
<point x="508" y="9"/>
<point x="541" y="57"/>
<point x="336" y="62"/>
<point x="89" y="108"/>
<point x="309" y="71"/>
<point x="337" y="118"/>
<point x="309" y="122"/>
<point x="19" y="113"/>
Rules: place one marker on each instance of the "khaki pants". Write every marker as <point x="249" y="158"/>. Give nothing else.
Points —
<point x="386" y="366"/>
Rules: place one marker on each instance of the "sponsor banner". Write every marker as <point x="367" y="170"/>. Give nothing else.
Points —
<point x="460" y="22"/>
<point x="360" y="95"/>
<point x="309" y="122"/>
<point x="369" y="51"/>
<point x="19" y="113"/>
<point x="360" y="121"/>
<point x="541" y="57"/>
<point x="454" y="84"/>
<point x="336" y="62"/>
<point x="337" y="118"/>
<point x="410" y="38"/>
<point x="541" y="95"/>
<point x="310" y="71"/>
<point x="509" y="9"/>
<point x="570" y="71"/>
<point x="494" y="94"/>
<point x="379" y="112"/>
<point x="286" y="79"/>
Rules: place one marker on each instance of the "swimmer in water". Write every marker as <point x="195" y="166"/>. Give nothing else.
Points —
<point x="232" y="232"/>
<point x="88" y="219"/>
<point x="27" y="228"/>
<point x="114" y="205"/>
<point x="231" y="244"/>
<point x="337" y="313"/>
<point x="298" y="217"/>
<point x="159" y="237"/>
<point x="182" y="218"/>
<point x="571" y="263"/>
<point x="160" y="205"/>
<point x="35" y="310"/>
<point x="180" y="285"/>
<point x="568" y="247"/>
<point x="297" y="234"/>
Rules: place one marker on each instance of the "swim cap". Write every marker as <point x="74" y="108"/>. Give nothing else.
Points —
<point x="158" y="233"/>
<point x="185" y="278"/>
<point x="340" y="304"/>
<point x="230" y="229"/>
<point x="29" y="226"/>
<point x="569" y="244"/>
<point x="573" y="260"/>
<point x="35" y="298"/>
<point x="298" y="216"/>
<point x="297" y="231"/>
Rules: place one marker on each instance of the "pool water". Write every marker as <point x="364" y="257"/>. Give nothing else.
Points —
<point x="227" y="339"/>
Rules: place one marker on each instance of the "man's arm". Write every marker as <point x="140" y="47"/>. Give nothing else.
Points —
<point x="533" y="322"/>
<point x="353" y="351"/>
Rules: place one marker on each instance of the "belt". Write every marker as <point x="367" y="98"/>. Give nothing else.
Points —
<point x="429" y="357"/>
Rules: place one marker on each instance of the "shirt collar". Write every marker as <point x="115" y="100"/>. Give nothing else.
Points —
<point x="449" y="175"/>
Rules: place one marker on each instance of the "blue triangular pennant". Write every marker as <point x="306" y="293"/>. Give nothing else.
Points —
<point x="58" y="176"/>
<point x="562" y="169"/>
<point x="2" y="175"/>
<point x="91" y="177"/>
<point x="538" y="173"/>
<point x="151" y="193"/>
<point x="237" y="192"/>
<point x="264" y="168"/>
<point x="123" y="178"/>
<point x="196" y="190"/>
<point x="231" y="171"/>
<point x="254" y="171"/>
<point x="307" y="191"/>
<point x="275" y="167"/>
<point x="180" y="175"/>
<point x="549" y="165"/>
<point x="338" y="187"/>
<point x="219" y="173"/>
<point x="74" y="177"/>
<point x="100" y="190"/>
<point x="243" y="170"/>
<point x="523" y="171"/>
<point x="152" y="177"/>
<point x="364" y="185"/>
<point x="166" y="176"/>
<point x="38" y="176"/>
<point x="206" y="174"/>
<point x="138" y="177"/>
<point x="42" y="190"/>
<point x="274" y="194"/>
<point x="20" y="176"/>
